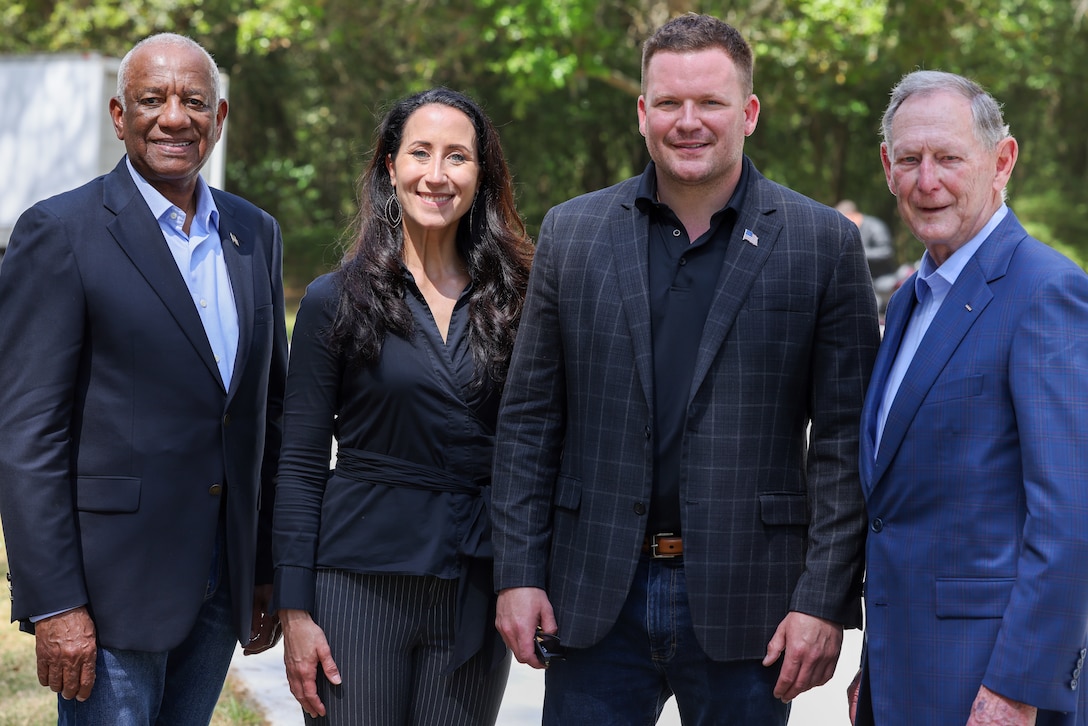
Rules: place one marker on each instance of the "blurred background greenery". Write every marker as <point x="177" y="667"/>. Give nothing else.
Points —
<point x="560" y="78"/>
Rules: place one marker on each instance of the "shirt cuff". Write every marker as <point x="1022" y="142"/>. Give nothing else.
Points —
<point x="293" y="589"/>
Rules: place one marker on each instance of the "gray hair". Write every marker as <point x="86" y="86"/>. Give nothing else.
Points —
<point x="167" y="39"/>
<point x="989" y="126"/>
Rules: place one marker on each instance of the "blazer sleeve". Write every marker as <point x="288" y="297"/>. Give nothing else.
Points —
<point x="1039" y="653"/>
<point x="42" y="338"/>
<point x="844" y="348"/>
<point x="529" y="435"/>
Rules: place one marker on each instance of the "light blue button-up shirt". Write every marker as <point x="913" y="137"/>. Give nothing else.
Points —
<point x="199" y="257"/>
<point x="931" y="287"/>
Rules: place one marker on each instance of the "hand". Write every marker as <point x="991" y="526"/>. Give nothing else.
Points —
<point x="811" y="646"/>
<point x="518" y="613"/>
<point x="304" y="646"/>
<point x="66" y="650"/>
<point x="993" y="709"/>
<point x="264" y="628"/>
<point x="852" y="697"/>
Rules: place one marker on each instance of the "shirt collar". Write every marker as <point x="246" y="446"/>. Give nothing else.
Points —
<point x="206" y="214"/>
<point x="941" y="278"/>
<point x="646" y="197"/>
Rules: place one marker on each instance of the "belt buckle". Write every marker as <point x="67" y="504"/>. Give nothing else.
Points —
<point x="653" y="546"/>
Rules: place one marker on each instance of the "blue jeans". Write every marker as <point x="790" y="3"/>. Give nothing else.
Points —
<point x="650" y="654"/>
<point x="179" y="687"/>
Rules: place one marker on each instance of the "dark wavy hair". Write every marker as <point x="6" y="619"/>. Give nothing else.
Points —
<point x="491" y="238"/>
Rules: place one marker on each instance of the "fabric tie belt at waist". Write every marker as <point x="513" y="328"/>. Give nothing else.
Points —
<point x="376" y="468"/>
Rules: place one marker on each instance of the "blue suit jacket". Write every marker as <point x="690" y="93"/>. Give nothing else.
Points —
<point x="120" y="441"/>
<point x="977" y="554"/>
<point x="773" y="520"/>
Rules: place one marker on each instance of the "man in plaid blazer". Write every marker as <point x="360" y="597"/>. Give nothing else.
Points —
<point x="675" y="492"/>
<point x="974" y="452"/>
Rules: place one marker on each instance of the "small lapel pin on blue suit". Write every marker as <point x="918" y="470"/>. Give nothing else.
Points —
<point x="751" y="238"/>
<point x="233" y="239"/>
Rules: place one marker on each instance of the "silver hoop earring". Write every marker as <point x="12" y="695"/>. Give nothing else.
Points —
<point x="392" y="211"/>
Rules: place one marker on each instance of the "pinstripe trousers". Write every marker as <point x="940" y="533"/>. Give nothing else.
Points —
<point x="392" y="637"/>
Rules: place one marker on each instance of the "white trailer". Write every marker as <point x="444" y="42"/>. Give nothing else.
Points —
<point x="56" y="132"/>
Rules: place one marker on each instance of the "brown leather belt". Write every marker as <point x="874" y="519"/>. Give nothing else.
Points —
<point x="663" y="546"/>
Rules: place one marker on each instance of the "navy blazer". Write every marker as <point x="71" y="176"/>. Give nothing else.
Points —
<point x="978" y="496"/>
<point x="120" y="443"/>
<point x="773" y="520"/>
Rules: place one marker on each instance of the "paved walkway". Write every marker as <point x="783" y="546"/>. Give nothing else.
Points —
<point x="263" y="676"/>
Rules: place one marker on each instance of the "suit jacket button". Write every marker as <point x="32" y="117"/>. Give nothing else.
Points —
<point x="877" y="524"/>
<point x="640" y="508"/>
<point x="226" y="419"/>
<point x="215" y="490"/>
<point x="1073" y="684"/>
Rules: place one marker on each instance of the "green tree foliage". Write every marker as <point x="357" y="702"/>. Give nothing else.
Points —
<point x="309" y="79"/>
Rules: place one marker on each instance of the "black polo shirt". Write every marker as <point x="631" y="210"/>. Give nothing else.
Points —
<point x="683" y="277"/>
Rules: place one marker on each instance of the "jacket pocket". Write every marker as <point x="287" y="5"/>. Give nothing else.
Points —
<point x="108" y="494"/>
<point x="568" y="492"/>
<point x="973" y="597"/>
<point x="783" y="508"/>
<point x="956" y="388"/>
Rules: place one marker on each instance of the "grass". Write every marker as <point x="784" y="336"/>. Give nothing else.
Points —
<point x="236" y="707"/>
<point x="25" y="703"/>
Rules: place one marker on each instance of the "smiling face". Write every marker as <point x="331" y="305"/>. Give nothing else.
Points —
<point x="171" y="119"/>
<point x="435" y="172"/>
<point x="946" y="182"/>
<point x="695" y="113"/>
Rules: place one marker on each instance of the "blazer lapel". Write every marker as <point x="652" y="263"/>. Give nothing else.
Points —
<point x="900" y="308"/>
<point x="966" y="300"/>
<point x="630" y="241"/>
<point x="237" y="241"/>
<point x="744" y="259"/>
<point x="137" y="233"/>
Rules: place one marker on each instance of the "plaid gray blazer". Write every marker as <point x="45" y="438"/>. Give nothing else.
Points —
<point x="773" y="517"/>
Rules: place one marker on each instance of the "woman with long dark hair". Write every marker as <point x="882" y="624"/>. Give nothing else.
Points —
<point x="383" y="566"/>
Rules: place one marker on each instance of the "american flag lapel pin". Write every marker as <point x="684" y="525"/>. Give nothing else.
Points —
<point x="233" y="239"/>
<point x="751" y="238"/>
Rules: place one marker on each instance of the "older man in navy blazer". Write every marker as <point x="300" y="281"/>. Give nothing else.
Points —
<point x="141" y="384"/>
<point x="660" y="499"/>
<point x="974" y="454"/>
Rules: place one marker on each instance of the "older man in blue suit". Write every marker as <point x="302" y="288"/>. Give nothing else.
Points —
<point x="140" y="393"/>
<point x="974" y="442"/>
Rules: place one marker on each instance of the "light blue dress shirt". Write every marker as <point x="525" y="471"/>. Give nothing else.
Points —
<point x="199" y="257"/>
<point x="931" y="287"/>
